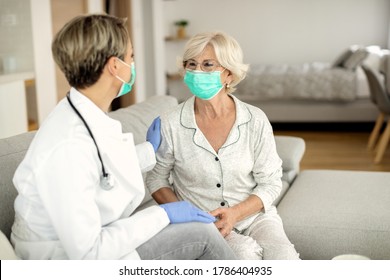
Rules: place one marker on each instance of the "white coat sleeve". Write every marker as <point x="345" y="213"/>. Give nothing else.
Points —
<point x="69" y="196"/>
<point x="146" y="156"/>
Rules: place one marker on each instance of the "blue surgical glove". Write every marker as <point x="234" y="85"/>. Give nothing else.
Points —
<point x="153" y="135"/>
<point x="184" y="212"/>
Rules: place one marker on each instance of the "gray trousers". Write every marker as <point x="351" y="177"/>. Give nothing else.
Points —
<point x="264" y="239"/>
<point x="187" y="241"/>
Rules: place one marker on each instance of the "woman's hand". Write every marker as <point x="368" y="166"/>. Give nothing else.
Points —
<point x="226" y="219"/>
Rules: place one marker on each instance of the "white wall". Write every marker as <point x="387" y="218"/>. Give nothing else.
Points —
<point x="45" y="80"/>
<point x="148" y="41"/>
<point x="148" y="49"/>
<point x="286" y="31"/>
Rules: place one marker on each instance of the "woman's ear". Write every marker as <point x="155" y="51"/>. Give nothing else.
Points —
<point x="229" y="78"/>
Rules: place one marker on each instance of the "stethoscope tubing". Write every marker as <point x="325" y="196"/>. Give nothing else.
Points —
<point x="106" y="177"/>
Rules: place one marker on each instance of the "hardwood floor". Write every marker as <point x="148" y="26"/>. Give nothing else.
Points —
<point x="338" y="150"/>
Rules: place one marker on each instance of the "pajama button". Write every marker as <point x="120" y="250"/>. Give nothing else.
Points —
<point x="218" y="185"/>
<point x="222" y="203"/>
<point x="216" y="159"/>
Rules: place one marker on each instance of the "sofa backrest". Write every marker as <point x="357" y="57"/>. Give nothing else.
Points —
<point x="136" y="119"/>
<point x="12" y="151"/>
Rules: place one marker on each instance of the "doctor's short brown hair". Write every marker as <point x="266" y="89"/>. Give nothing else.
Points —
<point x="84" y="44"/>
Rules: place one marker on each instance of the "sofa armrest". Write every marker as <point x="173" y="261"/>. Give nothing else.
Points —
<point x="290" y="150"/>
<point x="6" y="250"/>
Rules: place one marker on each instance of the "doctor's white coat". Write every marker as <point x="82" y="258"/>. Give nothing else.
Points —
<point x="62" y="212"/>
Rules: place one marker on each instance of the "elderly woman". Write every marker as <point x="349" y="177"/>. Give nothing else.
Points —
<point x="219" y="153"/>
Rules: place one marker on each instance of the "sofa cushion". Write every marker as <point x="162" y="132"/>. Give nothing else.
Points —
<point x="328" y="213"/>
<point x="12" y="151"/>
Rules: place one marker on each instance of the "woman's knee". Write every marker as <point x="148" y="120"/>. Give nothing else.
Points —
<point x="205" y="231"/>
<point x="244" y="247"/>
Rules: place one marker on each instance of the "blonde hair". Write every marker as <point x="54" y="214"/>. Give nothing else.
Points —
<point x="83" y="46"/>
<point x="227" y="50"/>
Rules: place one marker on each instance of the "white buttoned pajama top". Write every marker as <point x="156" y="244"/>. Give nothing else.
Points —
<point x="246" y="164"/>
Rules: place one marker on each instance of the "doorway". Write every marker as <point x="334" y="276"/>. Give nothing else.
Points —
<point x="122" y="9"/>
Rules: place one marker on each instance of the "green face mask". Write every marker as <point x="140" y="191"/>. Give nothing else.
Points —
<point x="204" y="85"/>
<point x="126" y="86"/>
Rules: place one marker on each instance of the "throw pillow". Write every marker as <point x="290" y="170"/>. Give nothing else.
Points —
<point x="341" y="58"/>
<point x="339" y="61"/>
<point x="356" y="59"/>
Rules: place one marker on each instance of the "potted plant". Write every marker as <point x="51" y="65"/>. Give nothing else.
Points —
<point x="181" y="28"/>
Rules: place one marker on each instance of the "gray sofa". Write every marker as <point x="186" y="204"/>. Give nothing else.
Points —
<point x="308" y="221"/>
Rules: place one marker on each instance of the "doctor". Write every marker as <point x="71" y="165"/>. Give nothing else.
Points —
<point x="81" y="181"/>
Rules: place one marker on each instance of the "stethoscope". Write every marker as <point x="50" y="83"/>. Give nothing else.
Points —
<point x="107" y="181"/>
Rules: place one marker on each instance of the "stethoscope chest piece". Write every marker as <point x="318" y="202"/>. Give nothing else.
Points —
<point x="107" y="182"/>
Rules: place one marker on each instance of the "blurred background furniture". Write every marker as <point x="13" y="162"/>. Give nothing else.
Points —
<point x="374" y="86"/>
<point x="313" y="91"/>
<point x="378" y="80"/>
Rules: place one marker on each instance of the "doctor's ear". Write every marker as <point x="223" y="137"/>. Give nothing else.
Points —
<point x="112" y="65"/>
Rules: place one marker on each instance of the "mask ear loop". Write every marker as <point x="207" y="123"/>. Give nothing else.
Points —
<point x="111" y="72"/>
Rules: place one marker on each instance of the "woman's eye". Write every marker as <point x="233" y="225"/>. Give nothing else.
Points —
<point x="208" y="64"/>
<point x="191" y="64"/>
